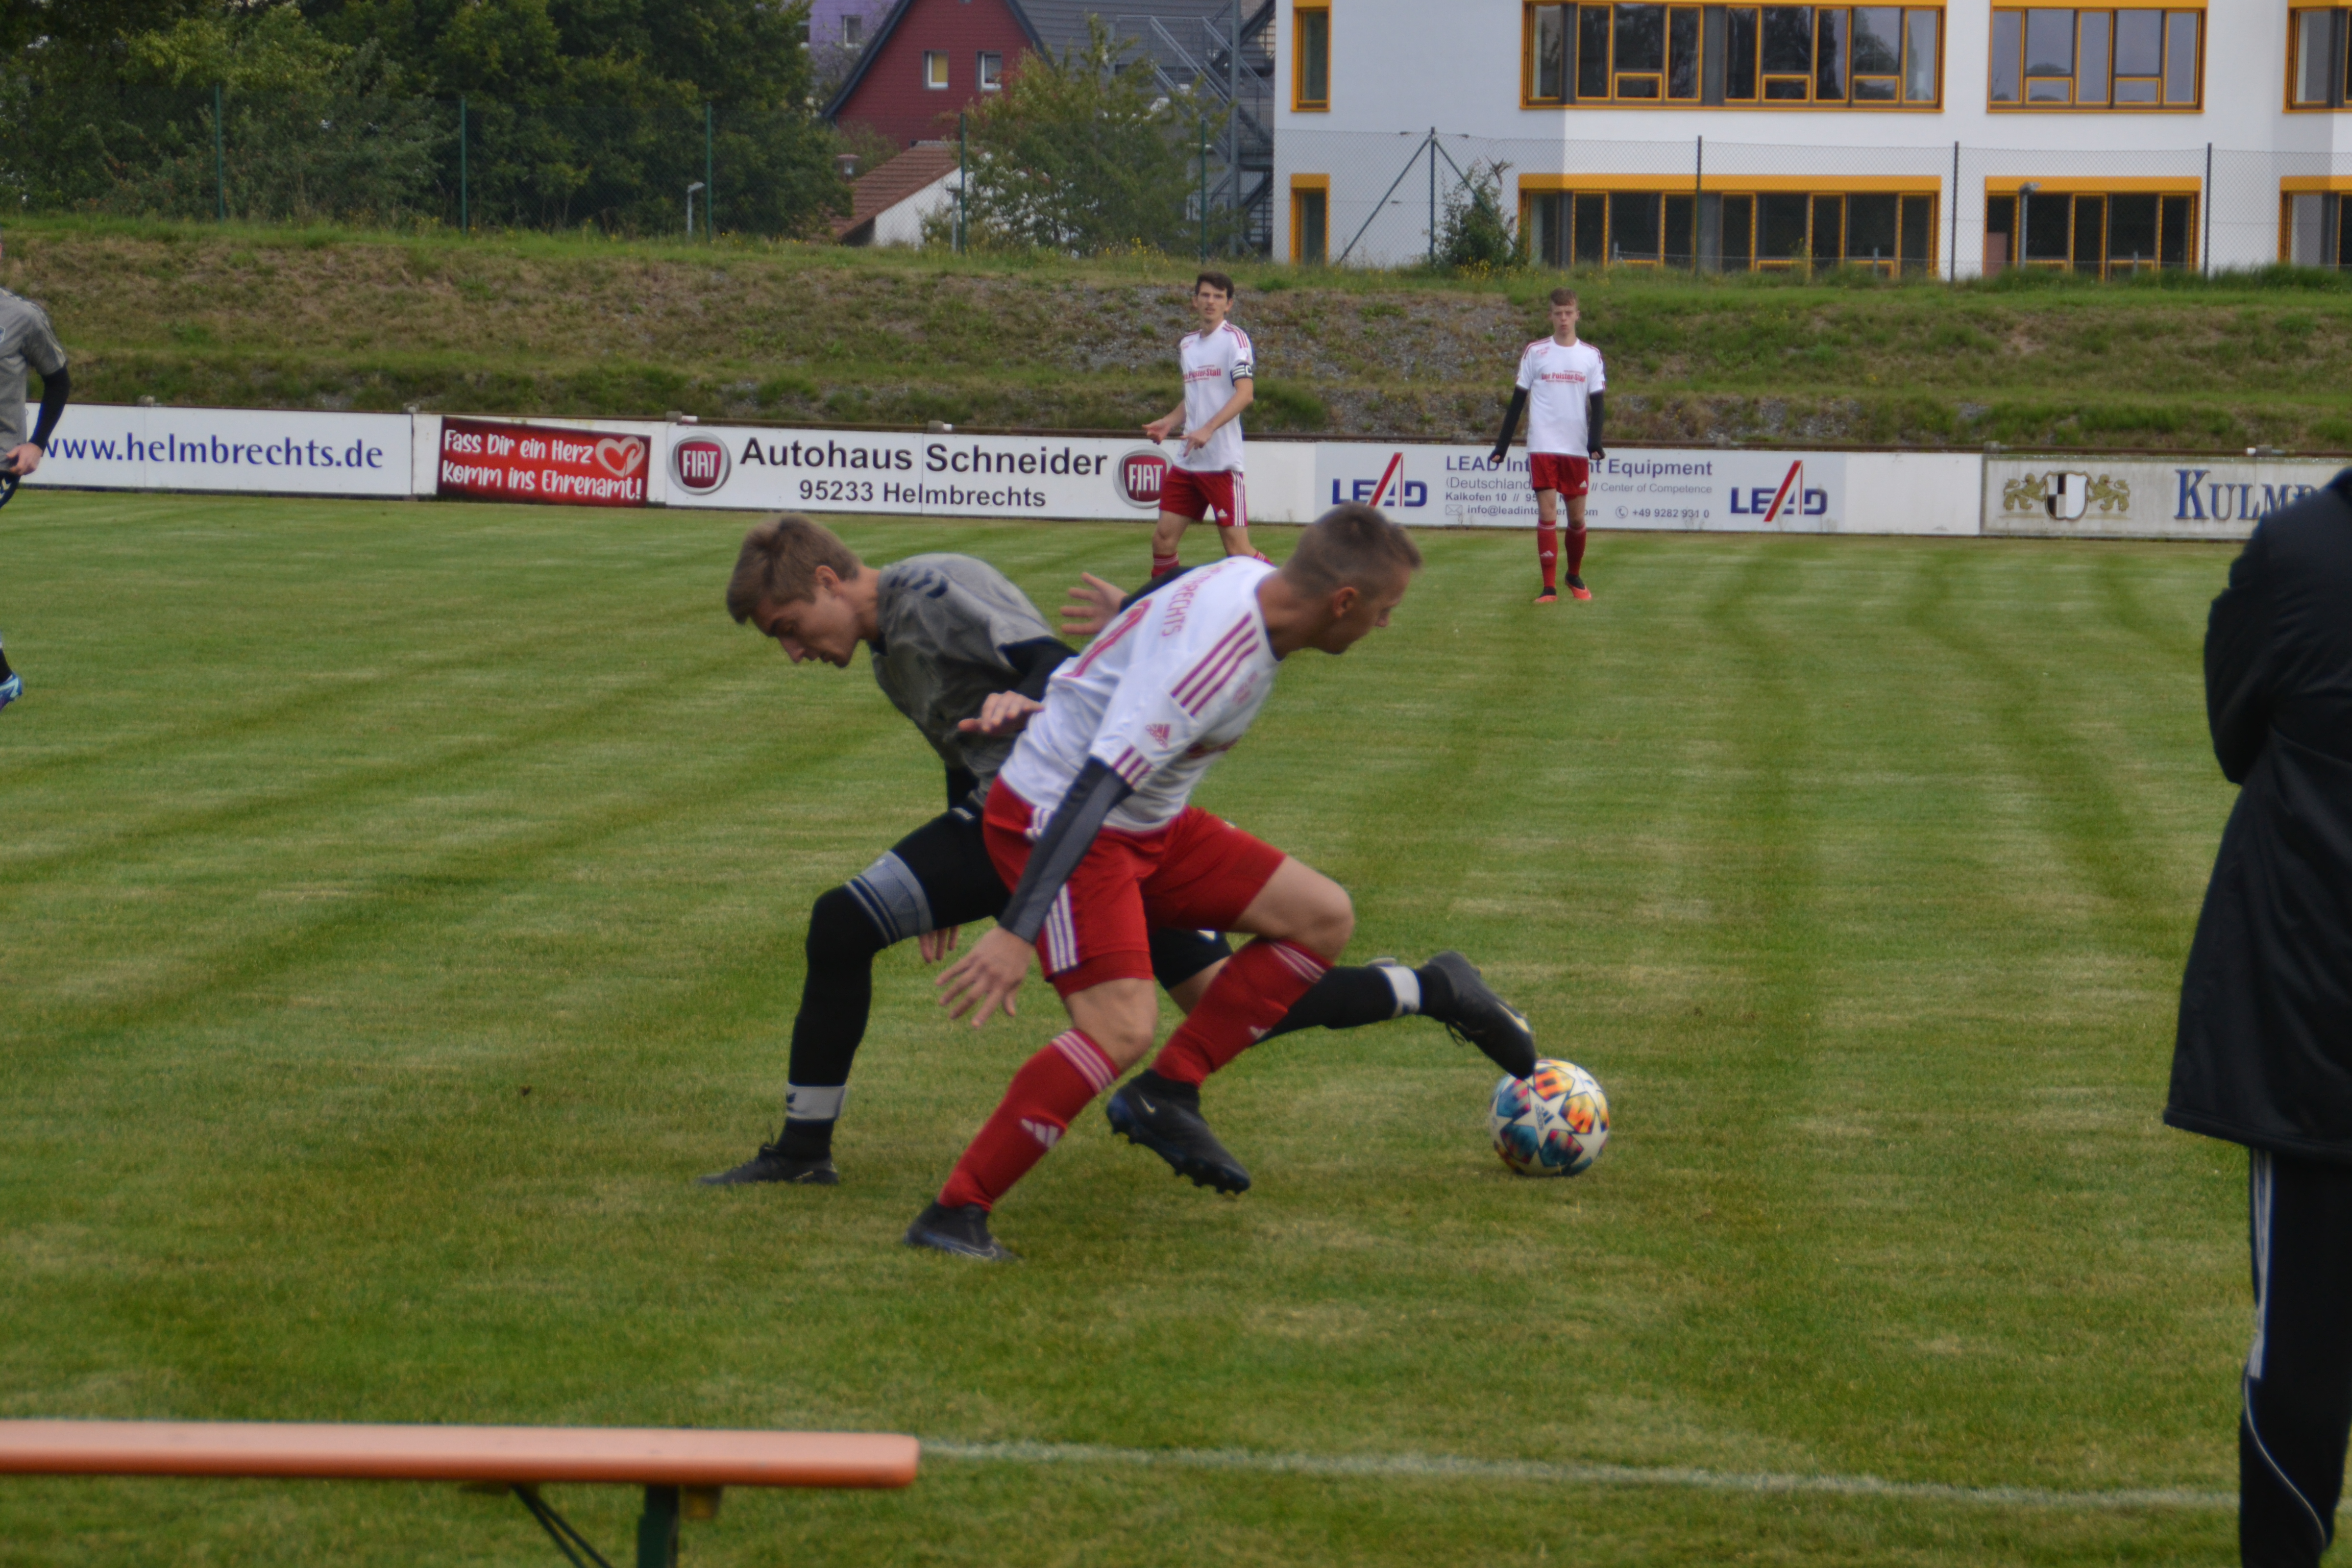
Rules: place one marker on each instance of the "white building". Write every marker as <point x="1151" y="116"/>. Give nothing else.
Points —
<point x="1947" y="137"/>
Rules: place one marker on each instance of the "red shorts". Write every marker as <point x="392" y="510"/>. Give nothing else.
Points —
<point x="1197" y="873"/>
<point x="1553" y="471"/>
<point x="1186" y="494"/>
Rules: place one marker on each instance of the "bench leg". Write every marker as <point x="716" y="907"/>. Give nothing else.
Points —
<point x="658" y="1530"/>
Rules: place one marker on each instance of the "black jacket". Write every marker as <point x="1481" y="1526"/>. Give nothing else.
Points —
<point x="2264" y="1052"/>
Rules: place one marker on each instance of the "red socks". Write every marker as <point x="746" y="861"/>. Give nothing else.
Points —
<point x="1251" y="995"/>
<point x="1547" y="551"/>
<point x="1163" y="563"/>
<point x="1575" y="551"/>
<point x="1051" y="1088"/>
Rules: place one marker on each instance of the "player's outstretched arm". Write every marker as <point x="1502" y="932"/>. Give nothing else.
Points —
<point x="1510" y="423"/>
<point x="1002" y="713"/>
<point x="1160" y="428"/>
<point x="1092" y="604"/>
<point x="1595" y="405"/>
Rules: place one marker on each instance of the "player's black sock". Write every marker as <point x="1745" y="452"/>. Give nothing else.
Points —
<point x="1343" y="999"/>
<point x="1436" y="989"/>
<point x="835" y="997"/>
<point x="4" y="672"/>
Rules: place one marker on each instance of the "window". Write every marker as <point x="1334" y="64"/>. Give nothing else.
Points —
<point x="935" y="70"/>
<point x="2103" y="233"/>
<point x="1310" y="219"/>
<point x="2314" y="230"/>
<point x="992" y="72"/>
<point x="1684" y="55"/>
<point x="2050" y="57"/>
<point x="2316" y="67"/>
<point x="1311" y="85"/>
<point x="1733" y="231"/>
<point x="852" y="29"/>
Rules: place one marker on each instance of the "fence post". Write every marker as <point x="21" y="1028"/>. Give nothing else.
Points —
<point x="709" y="174"/>
<point x="1433" y="195"/>
<point x="220" y="161"/>
<point x="963" y="180"/>
<point x="465" y="203"/>
<point x="2207" y="270"/>
<point x="1956" y="213"/>
<point x="1233" y="131"/>
<point x="1204" y="190"/>
<point x="1699" y="200"/>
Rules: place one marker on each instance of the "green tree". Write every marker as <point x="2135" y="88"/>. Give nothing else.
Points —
<point x="1477" y="233"/>
<point x="1082" y="156"/>
<point x="592" y="111"/>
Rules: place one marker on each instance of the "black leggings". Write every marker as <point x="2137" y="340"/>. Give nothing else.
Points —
<point x="2298" y="1377"/>
<point x="936" y="876"/>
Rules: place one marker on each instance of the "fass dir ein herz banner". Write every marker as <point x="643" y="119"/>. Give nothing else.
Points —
<point x="872" y="471"/>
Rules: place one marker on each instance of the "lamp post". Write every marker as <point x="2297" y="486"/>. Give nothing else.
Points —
<point x="2024" y="206"/>
<point x="689" y="207"/>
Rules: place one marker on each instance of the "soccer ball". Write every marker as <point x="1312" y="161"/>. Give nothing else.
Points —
<point x="1553" y="1124"/>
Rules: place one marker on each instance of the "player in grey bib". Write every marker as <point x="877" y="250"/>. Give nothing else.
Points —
<point x="946" y="633"/>
<point x="27" y="342"/>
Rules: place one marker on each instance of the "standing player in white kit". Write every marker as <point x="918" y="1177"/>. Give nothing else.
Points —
<point x="1562" y="379"/>
<point x="1220" y="381"/>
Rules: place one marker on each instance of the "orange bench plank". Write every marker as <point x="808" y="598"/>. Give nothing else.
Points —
<point x="323" y="1451"/>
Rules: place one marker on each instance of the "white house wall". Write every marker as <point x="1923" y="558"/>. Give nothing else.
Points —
<point x="1400" y="68"/>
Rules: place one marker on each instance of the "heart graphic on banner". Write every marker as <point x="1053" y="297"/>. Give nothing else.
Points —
<point x="622" y="456"/>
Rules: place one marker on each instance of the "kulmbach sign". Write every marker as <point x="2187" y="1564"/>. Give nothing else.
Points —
<point x="926" y="475"/>
<point x="484" y="460"/>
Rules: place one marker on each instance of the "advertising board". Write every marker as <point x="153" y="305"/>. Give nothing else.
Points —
<point x="484" y="460"/>
<point x="1704" y="490"/>
<point x="258" y="451"/>
<point x="2085" y="497"/>
<point x="930" y="475"/>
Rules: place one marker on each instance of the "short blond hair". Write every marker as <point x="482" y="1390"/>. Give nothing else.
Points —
<point x="777" y="563"/>
<point x="1351" y="546"/>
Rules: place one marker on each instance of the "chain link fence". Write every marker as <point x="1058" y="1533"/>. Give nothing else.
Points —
<point x="1340" y="198"/>
<point x="408" y="163"/>
<point x="1951" y="211"/>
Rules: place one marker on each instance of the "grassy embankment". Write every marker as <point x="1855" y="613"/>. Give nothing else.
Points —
<point x="195" y="314"/>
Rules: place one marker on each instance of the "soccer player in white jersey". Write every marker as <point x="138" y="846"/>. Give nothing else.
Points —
<point x="1091" y="823"/>
<point x="1220" y="380"/>
<point x="1562" y="380"/>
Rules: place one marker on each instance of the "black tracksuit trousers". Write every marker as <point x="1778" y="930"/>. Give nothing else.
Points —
<point x="2298" y="1382"/>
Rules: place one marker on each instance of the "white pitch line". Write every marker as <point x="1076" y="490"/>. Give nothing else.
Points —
<point x="1446" y="1467"/>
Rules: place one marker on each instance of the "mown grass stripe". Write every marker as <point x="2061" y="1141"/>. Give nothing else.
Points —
<point x="1450" y="1467"/>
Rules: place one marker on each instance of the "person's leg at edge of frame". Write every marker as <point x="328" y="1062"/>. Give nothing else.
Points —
<point x="1548" y="543"/>
<point x="1576" y="548"/>
<point x="2297" y="1385"/>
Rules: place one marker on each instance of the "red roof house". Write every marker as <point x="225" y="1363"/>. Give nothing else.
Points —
<point x="930" y="60"/>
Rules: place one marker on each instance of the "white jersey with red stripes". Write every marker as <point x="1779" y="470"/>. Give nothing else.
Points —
<point x="1215" y="366"/>
<point x="1560" y="384"/>
<point x="1171" y="684"/>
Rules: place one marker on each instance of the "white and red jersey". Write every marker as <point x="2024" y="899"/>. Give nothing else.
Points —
<point x="1171" y="685"/>
<point x="1215" y="366"/>
<point x="1558" y="382"/>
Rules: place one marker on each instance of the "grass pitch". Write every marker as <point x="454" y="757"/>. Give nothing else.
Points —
<point x="402" y="903"/>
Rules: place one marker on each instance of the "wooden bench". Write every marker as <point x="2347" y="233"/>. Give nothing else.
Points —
<point x="682" y="1470"/>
